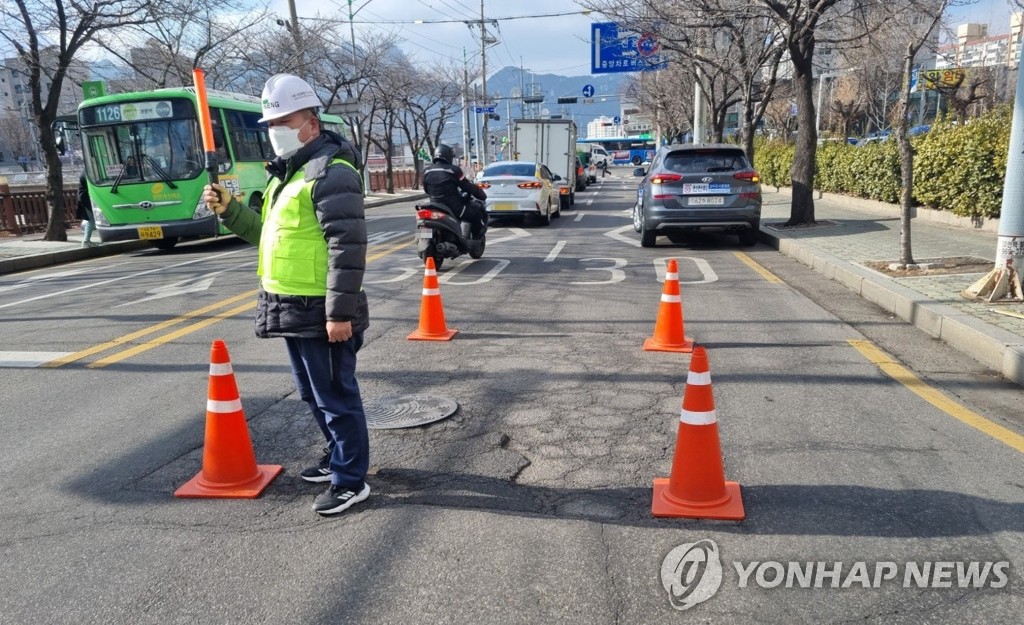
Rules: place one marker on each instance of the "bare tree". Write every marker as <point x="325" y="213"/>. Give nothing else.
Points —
<point x="15" y="134"/>
<point x="27" y="25"/>
<point x="779" y="112"/>
<point x="971" y="88"/>
<point x="428" y="105"/>
<point x="385" y="95"/>
<point x="915" y="23"/>
<point x="847" y="103"/>
<point x="658" y="94"/>
<point x="185" y="34"/>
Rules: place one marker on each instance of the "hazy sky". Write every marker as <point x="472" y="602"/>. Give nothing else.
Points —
<point x="558" y="45"/>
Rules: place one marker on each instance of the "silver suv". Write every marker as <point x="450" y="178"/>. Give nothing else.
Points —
<point x="692" y="187"/>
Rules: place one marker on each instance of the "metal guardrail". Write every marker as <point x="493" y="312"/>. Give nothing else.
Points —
<point x="25" y="212"/>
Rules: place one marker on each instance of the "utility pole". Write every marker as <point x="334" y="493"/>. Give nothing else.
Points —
<point x="483" y="77"/>
<point x="485" y="40"/>
<point x="467" y="151"/>
<point x="1010" y="245"/>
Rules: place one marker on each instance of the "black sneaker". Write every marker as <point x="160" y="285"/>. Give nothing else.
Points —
<point x="339" y="498"/>
<point x="321" y="472"/>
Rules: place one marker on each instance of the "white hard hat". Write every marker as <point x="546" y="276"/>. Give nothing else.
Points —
<point x="284" y="94"/>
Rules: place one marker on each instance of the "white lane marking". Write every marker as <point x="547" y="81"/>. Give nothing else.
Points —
<point x="127" y="277"/>
<point x="618" y="236"/>
<point x="381" y="237"/>
<point x="29" y="359"/>
<point x="33" y="280"/>
<point x="708" y="274"/>
<point x="517" y="233"/>
<point x="188" y="285"/>
<point x="590" y="201"/>
<point x="617" y="275"/>
<point x="579" y="217"/>
<point x="501" y="263"/>
<point x="553" y="254"/>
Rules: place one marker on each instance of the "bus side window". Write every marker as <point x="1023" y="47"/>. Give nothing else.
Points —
<point x="219" y="143"/>
<point x="248" y="137"/>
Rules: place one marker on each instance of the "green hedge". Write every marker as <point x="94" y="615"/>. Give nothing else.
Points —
<point x="956" y="168"/>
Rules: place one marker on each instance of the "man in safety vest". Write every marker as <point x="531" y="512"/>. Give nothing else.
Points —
<point x="312" y="254"/>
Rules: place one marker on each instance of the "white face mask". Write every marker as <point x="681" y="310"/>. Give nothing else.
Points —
<point x="285" y="140"/>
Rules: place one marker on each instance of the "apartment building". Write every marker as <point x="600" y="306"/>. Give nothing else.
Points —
<point x="975" y="48"/>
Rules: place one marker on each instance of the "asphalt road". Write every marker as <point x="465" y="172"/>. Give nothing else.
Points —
<point x="532" y="503"/>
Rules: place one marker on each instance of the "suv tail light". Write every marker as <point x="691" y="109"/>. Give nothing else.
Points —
<point x="529" y="185"/>
<point x="663" y="178"/>
<point x="749" y="176"/>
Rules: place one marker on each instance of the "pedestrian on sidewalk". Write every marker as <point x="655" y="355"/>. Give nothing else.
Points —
<point x="312" y="244"/>
<point x="84" y="212"/>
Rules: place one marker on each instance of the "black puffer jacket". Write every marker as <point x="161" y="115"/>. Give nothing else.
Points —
<point x="445" y="183"/>
<point x="338" y="201"/>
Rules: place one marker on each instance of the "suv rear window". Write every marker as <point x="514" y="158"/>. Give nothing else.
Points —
<point x="705" y="161"/>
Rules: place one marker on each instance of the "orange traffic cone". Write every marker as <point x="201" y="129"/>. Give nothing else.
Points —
<point x="229" y="465"/>
<point x="432" y="326"/>
<point x="697" y="488"/>
<point x="669" y="331"/>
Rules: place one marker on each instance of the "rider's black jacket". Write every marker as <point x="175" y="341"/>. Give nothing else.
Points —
<point x="443" y="182"/>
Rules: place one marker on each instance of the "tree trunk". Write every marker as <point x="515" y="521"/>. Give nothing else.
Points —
<point x="56" y="227"/>
<point x="906" y="161"/>
<point x="802" y="172"/>
<point x="389" y="169"/>
<point x="747" y="127"/>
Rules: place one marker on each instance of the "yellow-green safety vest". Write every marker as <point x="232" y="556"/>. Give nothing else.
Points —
<point x="293" y="251"/>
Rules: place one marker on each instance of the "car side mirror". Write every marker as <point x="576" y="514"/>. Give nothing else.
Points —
<point x="556" y="178"/>
<point x="639" y="171"/>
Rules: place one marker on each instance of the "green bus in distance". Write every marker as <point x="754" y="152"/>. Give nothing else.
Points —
<point x="144" y="161"/>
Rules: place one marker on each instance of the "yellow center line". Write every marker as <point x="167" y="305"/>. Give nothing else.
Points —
<point x="59" y="362"/>
<point x="170" y="336"/>
<point x="934" y="397"/>
<point x="160" y="340"/>
<point x="756" y="266"/>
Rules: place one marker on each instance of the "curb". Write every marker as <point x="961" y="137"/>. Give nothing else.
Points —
<point x="993" y="347"/>
<point x="396" y="200"/>
<point x="46" y="259"/>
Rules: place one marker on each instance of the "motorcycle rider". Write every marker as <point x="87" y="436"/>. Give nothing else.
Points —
<point x="445" y="183"/>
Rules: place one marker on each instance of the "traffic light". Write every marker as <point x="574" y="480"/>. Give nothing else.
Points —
<point x="494" y="140"/>
<point x="494" y="116"/>
<point x="567" y="100"/>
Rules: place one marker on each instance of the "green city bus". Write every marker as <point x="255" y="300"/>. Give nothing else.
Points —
<point x="144" y="161"/>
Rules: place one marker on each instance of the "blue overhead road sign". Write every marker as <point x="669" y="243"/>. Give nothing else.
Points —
<point x="588" y="91"/>
<point x="616" y="120"/>
<point x="612" y="51"/>
<point x="484" y="109"/>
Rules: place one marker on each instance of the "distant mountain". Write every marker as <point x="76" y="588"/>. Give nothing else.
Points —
<point x="511" y="81"/>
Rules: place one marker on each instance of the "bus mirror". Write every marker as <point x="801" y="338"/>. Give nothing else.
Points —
<point x="62" y="143"/>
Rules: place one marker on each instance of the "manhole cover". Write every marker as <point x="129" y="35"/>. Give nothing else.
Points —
<point x="406" y="411"/>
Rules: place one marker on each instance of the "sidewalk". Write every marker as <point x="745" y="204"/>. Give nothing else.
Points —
<point x="859" y="231"/>
<point x="32" y="252"/>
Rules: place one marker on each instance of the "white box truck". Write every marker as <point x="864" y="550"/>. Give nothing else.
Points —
<point x="553" y="143"/>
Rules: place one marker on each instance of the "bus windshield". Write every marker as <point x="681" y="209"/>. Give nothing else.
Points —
<point x="146" y="151"/>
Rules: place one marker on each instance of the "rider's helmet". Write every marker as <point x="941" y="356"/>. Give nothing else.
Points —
<point x="444" y="153"/>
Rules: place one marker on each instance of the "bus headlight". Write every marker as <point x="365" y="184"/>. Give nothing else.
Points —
<point x="202" y="210"/>
<point x="97" y="214"/>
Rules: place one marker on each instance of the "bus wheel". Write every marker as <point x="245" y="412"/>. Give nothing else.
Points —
<point x="256" y="202"/>
<point x="164" y="244"/>
<point x="636" y="160"/>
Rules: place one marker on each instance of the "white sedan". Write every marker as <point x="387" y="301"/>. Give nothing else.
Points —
<point x="520" y="188"/>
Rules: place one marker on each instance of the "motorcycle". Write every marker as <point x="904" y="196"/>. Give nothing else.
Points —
<point x="440" y="234"/>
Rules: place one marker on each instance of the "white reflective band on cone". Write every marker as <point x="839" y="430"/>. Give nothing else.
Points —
<point x="699" y="379"/>
<point x="220" y="368"/>
<point x="223" y="407"/>
<point x="671" y="298"/>
<point x="697" y="418"/>
<point x="430" y="272"/>
<point x="671" y="276"/>
<point x="431" y="291"/>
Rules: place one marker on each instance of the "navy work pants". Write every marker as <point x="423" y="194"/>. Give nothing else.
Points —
<point x="325" y="376"/>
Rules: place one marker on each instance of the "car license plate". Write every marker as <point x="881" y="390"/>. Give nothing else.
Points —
<point x="714" y="187"/>
<point x="425" y="234"/>
<point x="711" y="200"/>
<point x="148" y="233"/>
<point x="503" y="206"/>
